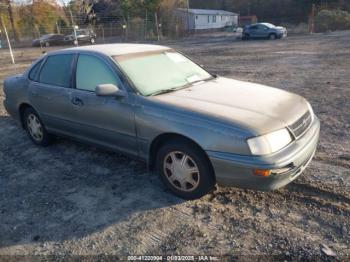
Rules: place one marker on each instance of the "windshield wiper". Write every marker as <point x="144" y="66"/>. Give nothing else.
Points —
<point x="198" y="81"/>
<point x="169" y="90"/>
<point x="164" y="91"/>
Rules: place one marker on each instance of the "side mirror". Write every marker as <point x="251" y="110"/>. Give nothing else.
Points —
<point x="109" y="90"/>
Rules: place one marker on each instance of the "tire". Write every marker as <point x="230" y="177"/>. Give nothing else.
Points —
<point x="92" y="41"/>
<point x="272" y="36"/>
<point x="245" y="37"/>
<point x="35" y="128"/>
<point x="191" y="181"/>
<point x="47" y="44"/>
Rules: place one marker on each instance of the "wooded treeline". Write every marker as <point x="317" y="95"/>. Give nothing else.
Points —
<point x="289" y="10"/>
<point x="38" y="17"/>
<point x="272" y="9"/>
<point x="35" y="17"/>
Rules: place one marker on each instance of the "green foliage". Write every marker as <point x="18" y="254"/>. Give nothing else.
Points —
<point x="41" y="16"/>
<point x="332" y="20"/>
<point x="293" y="11"/>
<point x="61" y="22"/>
<point x="139" y="7"/>
<point x="38" y="18"/>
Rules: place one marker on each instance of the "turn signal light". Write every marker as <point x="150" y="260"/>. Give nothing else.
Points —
<point x="262" y="172"/>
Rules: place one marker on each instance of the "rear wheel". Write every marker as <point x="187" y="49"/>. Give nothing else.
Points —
<point x="35" y="128"/>
<point x="185" y="169"/>
<point x="245" y="37"/>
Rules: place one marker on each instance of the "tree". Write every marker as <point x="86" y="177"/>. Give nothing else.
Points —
<point x="38" y="17"/>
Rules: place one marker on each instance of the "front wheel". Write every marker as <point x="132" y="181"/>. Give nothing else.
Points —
<point x="272" y="36"/>
<point x="185" y="169"/>
<point x="35" y="128"/>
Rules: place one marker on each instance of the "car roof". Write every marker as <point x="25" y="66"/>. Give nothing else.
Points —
<point x="47" y="35"/>
<point x="116" y="49"/>
<point x="267" y="24"/>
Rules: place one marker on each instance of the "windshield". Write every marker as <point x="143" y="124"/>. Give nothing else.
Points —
<point x="153" y="72"/>
<point x="80" y="32"/>
<point x="45" y="37"/>
<point x="268" y="25"/>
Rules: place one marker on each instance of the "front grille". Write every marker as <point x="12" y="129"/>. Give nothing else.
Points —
<point x="301" y="125"/>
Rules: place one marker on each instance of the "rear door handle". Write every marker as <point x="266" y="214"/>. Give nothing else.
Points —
<point x="77" y="101"/>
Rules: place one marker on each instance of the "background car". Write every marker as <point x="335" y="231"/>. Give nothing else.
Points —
<point x="82" y="36"/>
<point x="264" y="30"/>
<point x="49" y="40"/>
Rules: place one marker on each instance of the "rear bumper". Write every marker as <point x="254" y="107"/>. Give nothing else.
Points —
<point x="11" y="110"/>
<point x="237" y="170"/>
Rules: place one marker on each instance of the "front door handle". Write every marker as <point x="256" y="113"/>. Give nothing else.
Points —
<point x="77" y="101"/>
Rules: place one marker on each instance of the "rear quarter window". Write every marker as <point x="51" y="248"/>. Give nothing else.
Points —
<point x="34" y="72"/>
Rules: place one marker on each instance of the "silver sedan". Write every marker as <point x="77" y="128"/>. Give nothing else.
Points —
<point x="153" y="103"/>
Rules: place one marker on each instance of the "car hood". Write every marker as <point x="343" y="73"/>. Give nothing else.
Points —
<point x="259" y="108"/>
<point x="280" y="28"/>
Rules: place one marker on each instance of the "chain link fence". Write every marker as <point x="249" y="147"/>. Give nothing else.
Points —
<point x="133" y="30"/>
<point x="137" y="30"/>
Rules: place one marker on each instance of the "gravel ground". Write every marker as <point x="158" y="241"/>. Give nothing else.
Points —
<point x="73" y="199"/>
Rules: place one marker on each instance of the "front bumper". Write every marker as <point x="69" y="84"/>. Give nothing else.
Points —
<point x="237" y="170"/>
<point x="285" y="34"/>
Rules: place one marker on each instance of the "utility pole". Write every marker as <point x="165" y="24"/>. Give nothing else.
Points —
<point x="312" y="19"/>
<point x="8" y="40"/>
<point x="58" y="28"/>
<point x="188" y="16"/>
<point x="33" y="20"/>
<point x="10" y="12"/>
<point x="157" y="25"/>
<point x="71" y="17"/>
<point x="75" y="27"/>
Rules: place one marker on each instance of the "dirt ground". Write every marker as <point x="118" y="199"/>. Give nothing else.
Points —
<point x="73" y="199"/>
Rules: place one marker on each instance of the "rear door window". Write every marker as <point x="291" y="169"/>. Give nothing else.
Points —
<point x="57" y="70"/>
<point x="262" y="27"/>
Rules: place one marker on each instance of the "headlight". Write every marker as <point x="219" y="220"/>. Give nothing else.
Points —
<point x="269" y="143"/>
<point x="311" y="111"/>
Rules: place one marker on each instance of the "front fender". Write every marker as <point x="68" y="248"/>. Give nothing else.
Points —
<point x="153" y="119"/>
